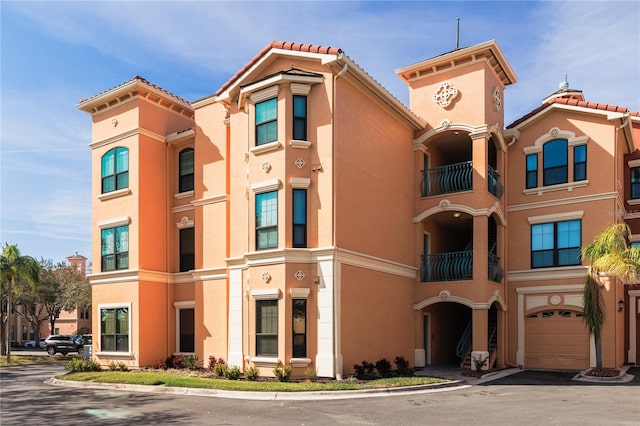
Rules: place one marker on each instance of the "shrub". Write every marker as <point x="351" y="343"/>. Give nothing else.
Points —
<point x="402" y="365"/>
<point x="364" y="370"/>
<point x="232" y="373"/>
<point x="192" y="362"/>
<point x="212" y="362"/>
<point x="120" y="366"/>
<point x="160" y="365"/>
<point x="79" y="364"/>
<point x="220" y="368"/>
<point x="174" y="361"/>
<point x="311" y="374"/>
<point x="383" y="367"/>
<point x="251" y="373"/>
<point x="282" y="373"/>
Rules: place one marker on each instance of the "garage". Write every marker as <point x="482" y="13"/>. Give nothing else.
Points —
<point x="556" y="339"/>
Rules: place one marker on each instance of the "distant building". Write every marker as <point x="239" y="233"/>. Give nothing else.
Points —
<point x="302" y="215"/>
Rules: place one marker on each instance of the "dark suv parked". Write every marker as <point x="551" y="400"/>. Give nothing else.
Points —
<point x="63" y="343"/>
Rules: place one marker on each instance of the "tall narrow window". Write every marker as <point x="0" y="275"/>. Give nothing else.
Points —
<point x="555" y="162"/>
<point x="114" y="330"/>
<point x="579" y="162"/>
<point x="267" y="121"/>
<point x="185" y="170"/>
<point x="299" y="218"/>
<point x="187" y="330"/>
<point x="556" y="244"/>
<point x="267" y="220"/>
<point x="299" y="328"/>
<point x="532" y="171"/>
<point x="115" y="170"/>
<point x="115" y="248"/>
<point x="187" y="249"/>
<point x="635" y="182"/>
<point x="266" y="328"/>
<point x="299" y="117"/>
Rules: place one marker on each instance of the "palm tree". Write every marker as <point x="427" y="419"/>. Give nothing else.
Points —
<point x="15" y="267"/>
<point x="608" y="253"/>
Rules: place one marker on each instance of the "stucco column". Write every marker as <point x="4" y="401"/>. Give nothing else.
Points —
<point x="480" y="352"/>
<point x="419" y="359"/>
<point x="480" y="249"/>
<point x="479" y="158"/>
<point x="234" y="354"/>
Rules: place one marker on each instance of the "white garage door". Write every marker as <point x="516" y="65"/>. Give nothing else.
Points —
<point x="556" y="340"/>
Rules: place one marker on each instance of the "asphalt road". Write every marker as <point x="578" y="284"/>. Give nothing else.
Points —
<point x="526" y="398"/>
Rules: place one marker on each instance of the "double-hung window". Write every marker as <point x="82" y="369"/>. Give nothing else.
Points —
<point x="187" y="249"/>
<point x="266" y="121"/>
<point x="114" y="329"/>
<point x="267" y="220"/>
<point x="635" y="182"/>
<point x="187" y="330"/>
<point x="115" y="248"/>
<point x="579" y="162"/>
<point x="555" y="162"/>
<point x="267" y="328"/>
<point x="299" y="117"/>
<point x="532" y="171"/>
<point x="115" y="170"/>
<point x="556" y="243"/>
<point x="299" y="218"/>
<point x="185" y="170"/>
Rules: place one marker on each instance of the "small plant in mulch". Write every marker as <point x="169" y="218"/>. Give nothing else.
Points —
<point x="402" y="367"/>
<point x="383" y="367"/>
<point x="602" y="372"/>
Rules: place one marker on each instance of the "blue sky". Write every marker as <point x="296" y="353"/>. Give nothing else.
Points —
<point x="54" y="54"/>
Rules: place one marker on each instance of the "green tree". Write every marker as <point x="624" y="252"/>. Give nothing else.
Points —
<point x="15" y="267"/>
<point x="608" y="253"/>
<point x="63" y="288"/>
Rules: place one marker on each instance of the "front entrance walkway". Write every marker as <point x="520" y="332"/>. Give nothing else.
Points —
<point x="453" y="372"/>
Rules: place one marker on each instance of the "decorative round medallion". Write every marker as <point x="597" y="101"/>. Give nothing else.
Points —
<point x="266" y="167"/>
<point x="445" y="95"/>
<point x="299" y="275"/>
<point x="554" y="132"/>
<point x="299" y="162"/>
<point x="555" y="300"/>
<point x="266" y="277"/>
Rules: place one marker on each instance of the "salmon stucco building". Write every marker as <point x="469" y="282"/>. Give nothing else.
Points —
<point x="302" y="215"/>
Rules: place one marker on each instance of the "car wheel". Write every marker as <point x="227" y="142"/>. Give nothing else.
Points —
<point x="80" y="351"/>
<point x="51" y="350"/>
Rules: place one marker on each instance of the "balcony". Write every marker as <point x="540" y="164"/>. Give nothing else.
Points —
<point x="457" y="266"/>
<point x="447" y="179"/>
<point x="454" y="266"/>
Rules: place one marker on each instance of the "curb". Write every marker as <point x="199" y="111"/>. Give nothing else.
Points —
<point x="622" y="377"/>
<point x="266" y="396"/>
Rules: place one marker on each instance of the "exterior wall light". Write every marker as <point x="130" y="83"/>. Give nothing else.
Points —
<point x="620" y="305"/>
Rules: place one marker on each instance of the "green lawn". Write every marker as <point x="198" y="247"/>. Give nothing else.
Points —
<point x="153" y="378"/>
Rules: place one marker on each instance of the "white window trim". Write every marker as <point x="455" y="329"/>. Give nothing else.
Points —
<point x="265" y="94"/>
<point x="185" y="222"/>
<point x="298" y="144"/>
<point x="266" y="294"/>
<point x="265" y="147"/>
<point x="300" y="89"/>
<point x="102" y="306"/>
<point x="569" y="186"/>
<point x="558" y="217"/>
<point x="115" y="222"/>
<point x="185" y="194"/>
<point x="555" y="133"/>
<point x="189" y="304"/>
<point x="299" y="293"/>
<point x="300" y="183"/>
<point x="114" y="194"/>
<point x="633" y="163"/>
<point x="266" y="186"/>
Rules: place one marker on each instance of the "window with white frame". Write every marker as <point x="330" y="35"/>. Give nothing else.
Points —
<point x="185" y="170"/>
<point x="266" y="220"/>
<point x="267" y="121"/>
<point x="114" y="328"/>
<point x="114" y="248"/>
<point x="115" y="170"/>
<point x="267" y="328"/>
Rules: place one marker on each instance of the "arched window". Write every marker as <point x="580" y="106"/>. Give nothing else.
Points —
<point x="185" y="170"/>
<point x="115" y="170"/>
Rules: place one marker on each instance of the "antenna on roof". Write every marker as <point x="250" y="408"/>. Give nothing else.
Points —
<point x="458" y="34"/>
<point x="565" y="84"/>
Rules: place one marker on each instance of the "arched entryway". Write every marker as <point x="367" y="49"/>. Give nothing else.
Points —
<point x="447" y="329"/>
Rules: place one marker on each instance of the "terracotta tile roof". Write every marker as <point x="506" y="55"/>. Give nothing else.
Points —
<point x="299" y="47"/>
<point x="573" y="102"/>
<point x="140" y="79"/>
